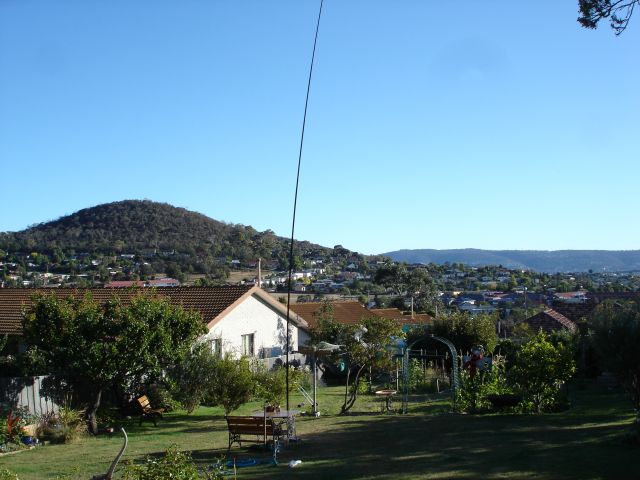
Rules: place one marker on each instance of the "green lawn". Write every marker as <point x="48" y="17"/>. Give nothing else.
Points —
<point x="582" y="443"/>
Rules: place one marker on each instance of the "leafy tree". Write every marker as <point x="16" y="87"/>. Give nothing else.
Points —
<point x="368" y="345"/>
<point x="96" y="347"/>
<point x="616" y="337"/>
<point x="365" y="345"/>
<point x="393" y="277"/>
<point x="540" y="369"/>
<point x="465" y="331"/>
<point x="617" y="11"/>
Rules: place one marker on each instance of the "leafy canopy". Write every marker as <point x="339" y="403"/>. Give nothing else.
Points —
<point x="540" y="369"/>
<point x="617" y="11"/>
<point x="616" y="337"/>
<point x="95" y="347"/>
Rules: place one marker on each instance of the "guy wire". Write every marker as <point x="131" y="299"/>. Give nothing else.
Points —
<point x="295" y="198"/>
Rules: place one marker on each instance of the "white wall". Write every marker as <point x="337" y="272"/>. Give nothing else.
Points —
<point x="254" y="316"/>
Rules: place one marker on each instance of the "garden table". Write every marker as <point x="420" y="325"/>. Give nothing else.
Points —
<point x="287" y="417"/>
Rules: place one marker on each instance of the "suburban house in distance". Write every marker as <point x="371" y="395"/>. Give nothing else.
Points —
<point x="244" y="320"/>
<point x="550" y="321"/>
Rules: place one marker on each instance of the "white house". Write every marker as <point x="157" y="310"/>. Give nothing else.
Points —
<point x="242" y="319"/>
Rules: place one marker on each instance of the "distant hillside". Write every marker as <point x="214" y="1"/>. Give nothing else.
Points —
<point x="536" y="260"/>
<point x="133" y="226"/>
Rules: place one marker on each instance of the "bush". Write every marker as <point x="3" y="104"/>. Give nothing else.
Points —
<point x="271" y="385"/>
<point x="65" y="426"/>
<point x="234" y="383"/>
<point x="174" y="465"/>
<point x="616" y="336"/>
<point x="194" y="376"/>
<point x="539" y="371"/>
<point x="6" y="474"/>
<point x="475" y="392"/>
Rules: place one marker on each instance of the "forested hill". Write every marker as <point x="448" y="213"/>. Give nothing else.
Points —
<point x="536" y="260"/>
<point x="134" y="226"/>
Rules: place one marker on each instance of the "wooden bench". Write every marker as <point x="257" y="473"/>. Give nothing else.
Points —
<point x="148" y="412"/>
<point x="259" y="427"/>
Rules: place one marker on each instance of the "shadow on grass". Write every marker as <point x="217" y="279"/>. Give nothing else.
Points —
<point x="580" y="444"/>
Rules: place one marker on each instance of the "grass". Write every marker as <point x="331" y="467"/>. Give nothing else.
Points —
<point x="581" y="443"/>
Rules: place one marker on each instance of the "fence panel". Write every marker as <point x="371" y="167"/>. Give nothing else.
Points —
<point x="26" y="392"/>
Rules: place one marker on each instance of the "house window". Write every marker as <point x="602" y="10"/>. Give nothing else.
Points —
<point x="216" y="346"/>
<point x="247" y="345"/>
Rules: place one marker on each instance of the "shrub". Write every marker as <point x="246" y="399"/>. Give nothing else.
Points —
<point x="194" y="376"/>
<point x="6" y="474"/>
<point x="474" y="392"/>
<point x="616" y="336"/>
<point x="65" y="426"/>
<point x="539" y="371"/>
<point x="234" y="383"/>
<point x="174" y="465"/>
<point x="271" y="385"/>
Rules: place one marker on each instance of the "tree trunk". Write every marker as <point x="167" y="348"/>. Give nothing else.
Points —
<point x="346" y="389"/>
<point x="92" y="416"/>
<point x="349" y="402"/>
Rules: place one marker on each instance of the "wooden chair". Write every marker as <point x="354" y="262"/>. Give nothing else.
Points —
<point x="148" y="412"/>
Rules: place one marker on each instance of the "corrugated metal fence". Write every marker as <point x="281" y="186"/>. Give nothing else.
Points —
<point x="26" y="392"/>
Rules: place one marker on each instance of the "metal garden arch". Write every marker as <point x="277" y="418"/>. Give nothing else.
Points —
<point x="455" y="383"/>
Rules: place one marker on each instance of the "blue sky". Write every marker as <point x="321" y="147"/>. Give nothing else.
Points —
<point x="496" y="125"/>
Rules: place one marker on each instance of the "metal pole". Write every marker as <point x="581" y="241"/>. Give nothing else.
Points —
<point x="315" y="386"/>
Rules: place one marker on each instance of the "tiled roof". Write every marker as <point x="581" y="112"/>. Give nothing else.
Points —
<point x="574" y="311"/>
<point x="550" y="321"/>
<point x="344" y="312"/>
<point x="400" y="317"/>
<point x="351" y="312"/>
<point x="209" y="301"/>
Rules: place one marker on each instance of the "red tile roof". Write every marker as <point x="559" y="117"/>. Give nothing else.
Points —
<point x="401" y="317"/>
<point x="351" y="312"/>
<point x="551" y="321"/>
<point x="211" y="302"/>
<point x="344" y="312"/>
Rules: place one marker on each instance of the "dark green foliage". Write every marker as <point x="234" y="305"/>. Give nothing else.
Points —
<point x="366" y="345"/>
<point x="540" y="370"/>
<point x="181" y="239"/>
<point x="413" y="284"/>
<point x="617" y="11"/>
<point x="194" y="376"/>
<point x="474" y="392"/>
<point x="234" y="383"/>
<point x="465" y="331"/>
<point x="616" y="337"/>
<point x="95" y="347"/>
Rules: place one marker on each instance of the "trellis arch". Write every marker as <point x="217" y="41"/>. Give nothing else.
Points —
<point x="455" y="383"/>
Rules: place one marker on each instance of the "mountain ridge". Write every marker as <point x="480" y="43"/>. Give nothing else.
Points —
<point x="550" y="261"/>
